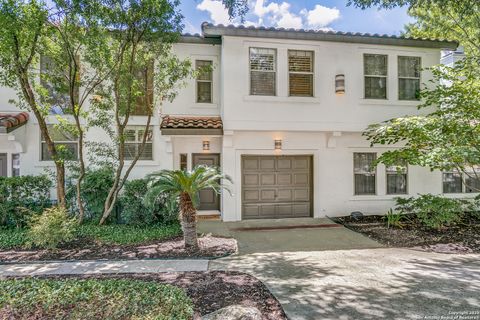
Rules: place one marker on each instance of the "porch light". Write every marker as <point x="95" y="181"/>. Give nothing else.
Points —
<point x="340" y="84"/>
<point x="278" y="144"/>
<point x="206" y="145"/>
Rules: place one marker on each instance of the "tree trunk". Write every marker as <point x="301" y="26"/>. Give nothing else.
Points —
<point x="60" y="184"/>
<point x="188" y="215"/>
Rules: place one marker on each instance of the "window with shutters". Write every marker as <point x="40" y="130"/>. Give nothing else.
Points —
<point x="409" y="78"/>
<point x="133" y="143"/>
<point x="204" y="81"/>
<point x="365" y="173"/>
<point x="56" y="85"/>
<point x="397" y="179"/>
<point x="300" y="73"/>
<point x="144" y="102"/>
<point x="375" y="73"/>
<point x="65" y="142"/>
<point x="263" y="70"/>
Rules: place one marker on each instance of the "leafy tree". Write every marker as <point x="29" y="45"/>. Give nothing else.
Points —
<point x="447" y="136"/>
<point x="183" y="186"/>
<point x="23" y="28"/>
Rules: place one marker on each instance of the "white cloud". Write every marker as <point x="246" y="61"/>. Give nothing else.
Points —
<point x="278" y="14"/>
<point x="320" y="16"/>
<point x="217" y="11"/>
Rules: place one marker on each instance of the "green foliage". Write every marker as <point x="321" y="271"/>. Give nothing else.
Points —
<point x="95" y="188"/>
<point x="51" y="228"/>
<point x="134" y="210"/>
<point x="93" y="299"/>
<point x="432" y="211"/>
<point x="21" y="197"/>
<point x="175" y="182"/>
<point x="13" y="238"/>
<point x="125" y="234"/>
<point x="394" y="219"/>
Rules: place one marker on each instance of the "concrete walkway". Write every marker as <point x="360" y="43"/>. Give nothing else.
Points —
<point x="383" y="283"/>
<point x="96" y="267"/>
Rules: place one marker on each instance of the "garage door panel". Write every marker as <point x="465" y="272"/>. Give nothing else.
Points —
<point x="268" y="179"/>
<point x="276" y="186"/>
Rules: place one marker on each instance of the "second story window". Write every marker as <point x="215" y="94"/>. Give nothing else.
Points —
<point x="300" y="73"/>
<point x="66" y="144"/>
<point x="133" y="143"/>
<point x="144" y="102"/>
<point x="365" y="173"/>
<point x="263" y="67"/>
<point x="375" y="72"/>
<point x="204" y="81"/>
<point x="409" y="78"/>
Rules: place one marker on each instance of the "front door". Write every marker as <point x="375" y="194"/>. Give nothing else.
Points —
<point x="209" y="200"/>
<point x="3" y="164"/>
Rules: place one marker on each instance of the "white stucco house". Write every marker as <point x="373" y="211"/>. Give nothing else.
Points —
<point x="282" y="113"/>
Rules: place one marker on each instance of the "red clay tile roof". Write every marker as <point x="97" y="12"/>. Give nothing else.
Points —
<point x="9" y="122"/>
<point x="185" y="122"/>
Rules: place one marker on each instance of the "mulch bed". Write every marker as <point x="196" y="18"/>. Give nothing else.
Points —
<point x="210" y="247"/>
<point x="211" y="290"/>
<point x="461" y="238"/>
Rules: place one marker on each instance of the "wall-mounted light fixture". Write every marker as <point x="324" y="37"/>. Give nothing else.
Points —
<point x="340" y="84"/>
<point x="278" y="144"/>
<point x="206" y="145"/>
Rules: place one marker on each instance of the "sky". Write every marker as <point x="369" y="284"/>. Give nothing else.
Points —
<point x="305" y="14"/>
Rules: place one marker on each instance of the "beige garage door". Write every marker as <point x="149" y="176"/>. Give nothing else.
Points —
<point x="276" y="187"/>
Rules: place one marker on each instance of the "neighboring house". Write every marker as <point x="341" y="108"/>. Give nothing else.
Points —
<point x="282" y="113"/>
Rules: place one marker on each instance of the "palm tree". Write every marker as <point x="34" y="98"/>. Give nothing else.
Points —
<point x="183" y="187"/>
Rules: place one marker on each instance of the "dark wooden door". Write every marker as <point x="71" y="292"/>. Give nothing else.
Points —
<point x="209" y="200"/>
<point x="3" y="164"/>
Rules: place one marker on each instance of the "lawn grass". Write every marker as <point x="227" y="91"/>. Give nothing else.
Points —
<point x="30" y="298"/>
<point x="108" y="234"/>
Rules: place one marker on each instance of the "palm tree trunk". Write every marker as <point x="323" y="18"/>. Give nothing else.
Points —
<point x="188" y="215"/>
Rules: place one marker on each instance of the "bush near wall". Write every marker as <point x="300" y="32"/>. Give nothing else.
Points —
<point x="20" y="197"/>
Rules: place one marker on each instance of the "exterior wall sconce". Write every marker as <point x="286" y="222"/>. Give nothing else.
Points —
<point x="278" y="144"/>
<point x="206" y="145"/>
<point x="340" y="84"/>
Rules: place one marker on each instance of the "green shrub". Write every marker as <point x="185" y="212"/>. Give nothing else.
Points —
<point x="52" y="227"/>
<point x="434" y="212"/>
<point x="394" y="219"/>
<point x="21" y="197"/>
<point x="135" y="212"/>
<point x="95" y="187"/>
<point x="33" y="298"/>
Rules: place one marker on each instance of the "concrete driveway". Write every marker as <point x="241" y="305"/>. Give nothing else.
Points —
<point x="327" y="282"/>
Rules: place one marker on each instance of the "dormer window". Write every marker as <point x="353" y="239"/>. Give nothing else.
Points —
<point x="375" y="72"/>
<point x="263" y="71"/>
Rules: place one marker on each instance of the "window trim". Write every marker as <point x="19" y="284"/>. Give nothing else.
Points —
<point x="411" y="78"/>
<point x="55" y="142"/>
<point x="205" y="81"/>
<point x="137" y="128"/>
<point x="376" y="176"/>
<point x="300" y="72"/>
<point x="275" y="65"/>
<point x="407" y="180"/>
<point x="375" y="76"/>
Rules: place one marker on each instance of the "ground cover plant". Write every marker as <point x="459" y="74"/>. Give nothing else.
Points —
<point x="33" y="298"/>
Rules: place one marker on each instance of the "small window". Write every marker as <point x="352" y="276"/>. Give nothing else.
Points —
<point x="204" y="81"/>
<point x="133" y="143"/>
<point x="56" y="85"/>
<point x="409" y="78"/>
<point x="66" y="144"/>
<point x="365" y="173"/>
<point x="300" y="73"/>
<point x="15" y="164"/>
<point x="183" y="161"/>
<point x="263" y="67"/>
<point x="144" y="102"/>
<point x="397" y="179"/>
<point x="452" y="182"/>
<point x="375" y="72"/>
